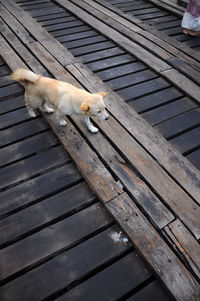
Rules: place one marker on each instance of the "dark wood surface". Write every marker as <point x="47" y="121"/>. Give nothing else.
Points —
<point x="49" y="215"/>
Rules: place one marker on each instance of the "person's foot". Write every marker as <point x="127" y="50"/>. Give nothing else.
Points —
<point x="190" y="32"/>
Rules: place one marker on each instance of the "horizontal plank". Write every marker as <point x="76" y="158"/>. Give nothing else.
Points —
<point x="154" y="249"/>
<point x="21" y="131"/>
<point x="155" y="99"/>
<point x="150" y="292"/>
<point x="13" y="103"/>
<point x="38" y="215"/>
<point x="179" y="124"/>
<point x="39" y="188"/>
<point x="168" y="111"/>
<point x="116" y="280"/>
<point x="14" y="117"/>
<point x="187" y="141"/>
<point x="65" y="268"/>
<point x="32" y="166"/>
<point x="27" y="147"/>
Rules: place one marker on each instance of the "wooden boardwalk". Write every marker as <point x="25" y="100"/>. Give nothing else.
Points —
<point x="69" y="231"/>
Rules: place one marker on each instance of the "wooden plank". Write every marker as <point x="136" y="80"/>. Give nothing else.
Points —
<point x="39" y="188"/>
<point x="9" y="90"/>
<point x="142" y="89"/>
<point x="151" y="292"/>
<point x="153" y="248"/>
<point x="69" y="31"/>
<point x="54" y="47"/>
<point x="110" y="62"/>
<point x="179" y="124"/>
<point x="155" y="99"/>
<point x="168" y="111"/>
<point x="85" y="41"/>
<point x="92" y="47"/>
<point x="187" y="246"/>
<point x="116" y="280"/>
<point x="100" y="55"/>
<point x="21" y="131"/>
<point x="69" y="266"/>
<point x="27" y="147"/>
<point x="131" y="79"/>
<point x="32" y="166"/>
<point x="91" y="219"/>
<point x="187" y="141"/>
<point x="40" y="214"/>
<point x="129" y="68"/>
<point x="194" y="158"/>
<point x="14" y="117"/>
<point x="13" y="103"/>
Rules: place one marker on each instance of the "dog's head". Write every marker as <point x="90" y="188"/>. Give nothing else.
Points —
<point x="95" y="106"/>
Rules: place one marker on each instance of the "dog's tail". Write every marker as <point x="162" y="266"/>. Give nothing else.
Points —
<point x="23" y="76"/>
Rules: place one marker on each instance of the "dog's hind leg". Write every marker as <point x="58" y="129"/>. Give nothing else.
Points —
<point x="31" y="111"/>
<point x="90" y="127"/>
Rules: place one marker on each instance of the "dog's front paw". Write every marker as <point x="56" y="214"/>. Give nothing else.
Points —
<point x="93" y="129"/>
<point x="62" y="122"/>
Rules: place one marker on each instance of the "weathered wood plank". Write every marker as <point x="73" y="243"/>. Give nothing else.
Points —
<point x="187" y="246"/>
<point x="160" y="257"/>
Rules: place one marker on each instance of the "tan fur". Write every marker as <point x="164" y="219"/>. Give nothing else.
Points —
<point x="65" y="98"/>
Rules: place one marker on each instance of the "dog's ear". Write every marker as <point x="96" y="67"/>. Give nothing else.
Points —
<point x="102" y="93"/>
<point x="85" y="107"/>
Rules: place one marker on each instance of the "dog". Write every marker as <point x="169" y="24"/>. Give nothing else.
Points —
<point x="65" y="98"/>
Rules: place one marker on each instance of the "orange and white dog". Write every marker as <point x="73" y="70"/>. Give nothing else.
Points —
<point x="65" y="98"/>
